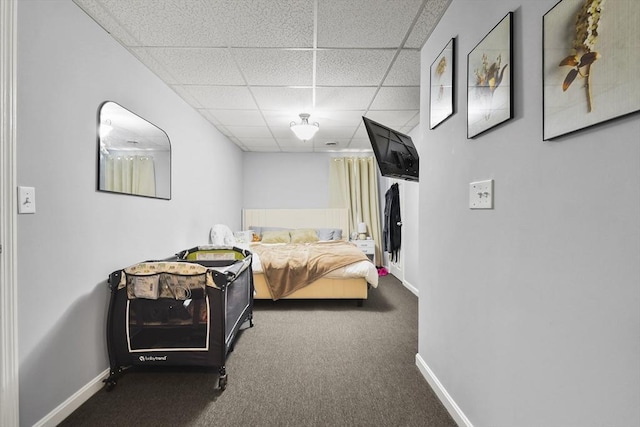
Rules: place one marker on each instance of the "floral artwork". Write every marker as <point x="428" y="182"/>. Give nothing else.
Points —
<point x="591" y="60"/>
<point x="442" y="87"/>
<point x="489" y="77"/>
<point x="583" y="49"/>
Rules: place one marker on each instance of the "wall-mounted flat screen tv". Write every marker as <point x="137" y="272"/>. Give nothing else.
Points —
<point x="395" y="153"/>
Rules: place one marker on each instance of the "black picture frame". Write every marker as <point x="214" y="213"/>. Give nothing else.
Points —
<point x="590" y="64"/>
<point x="443" y="90"/>
<point x="490" y="79"/>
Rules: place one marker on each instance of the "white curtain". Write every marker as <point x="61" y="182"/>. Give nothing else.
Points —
<point x="353" y="184"/>
<point x="131" y="174"/>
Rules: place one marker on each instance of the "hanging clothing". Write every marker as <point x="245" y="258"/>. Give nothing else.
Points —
<point x="392" y="222"/>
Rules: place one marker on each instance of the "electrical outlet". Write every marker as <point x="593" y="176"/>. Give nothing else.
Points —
<point x="26" y="200"/>
<point x="481" y="195"/>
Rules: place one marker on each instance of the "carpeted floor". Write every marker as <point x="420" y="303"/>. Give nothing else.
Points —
<point x="304" y="363"/>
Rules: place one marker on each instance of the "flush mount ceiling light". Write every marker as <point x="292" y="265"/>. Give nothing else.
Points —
<point x="305" y="130"/>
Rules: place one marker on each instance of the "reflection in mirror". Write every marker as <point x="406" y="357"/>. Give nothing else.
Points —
<point x="134" y="155"/>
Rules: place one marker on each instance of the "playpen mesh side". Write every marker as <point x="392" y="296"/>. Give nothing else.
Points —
<point x="238" y="303"/>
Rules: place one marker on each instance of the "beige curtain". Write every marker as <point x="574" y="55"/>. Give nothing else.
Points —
<point x="353" y="184"/>
<point x="131" y="174"/>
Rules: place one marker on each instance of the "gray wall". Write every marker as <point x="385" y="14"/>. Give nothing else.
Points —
<point x="67" y="66"/>
<point x="529" y="312"/>
<point x="286" y="180"/>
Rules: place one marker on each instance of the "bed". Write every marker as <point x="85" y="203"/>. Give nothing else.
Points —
<point x="351" y="281"/>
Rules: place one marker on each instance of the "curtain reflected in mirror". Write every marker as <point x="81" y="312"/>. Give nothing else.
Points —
<point x="134" y="155"/>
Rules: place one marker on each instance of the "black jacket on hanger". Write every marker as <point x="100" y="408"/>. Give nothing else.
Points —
<point x="392" y="222"/>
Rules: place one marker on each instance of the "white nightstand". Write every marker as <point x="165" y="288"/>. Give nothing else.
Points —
<point x="368" y="247"/>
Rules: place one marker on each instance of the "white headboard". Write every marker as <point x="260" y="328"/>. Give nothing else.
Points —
<point x="297" y="218"/>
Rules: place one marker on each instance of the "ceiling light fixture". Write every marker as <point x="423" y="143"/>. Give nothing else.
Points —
<point x="305" y="130"/>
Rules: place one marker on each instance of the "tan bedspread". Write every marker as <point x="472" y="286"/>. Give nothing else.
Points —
<point x="289" y="267"/>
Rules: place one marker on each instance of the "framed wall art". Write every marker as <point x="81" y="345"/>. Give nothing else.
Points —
<point x="441" y="104"/>
<point x="489" y="79"/>
<point x="590" y="64"/>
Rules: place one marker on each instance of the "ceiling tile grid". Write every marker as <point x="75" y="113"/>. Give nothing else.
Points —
<point x="250" y="67"/>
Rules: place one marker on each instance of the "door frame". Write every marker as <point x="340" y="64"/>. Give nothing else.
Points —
<point x="9" y="379"/>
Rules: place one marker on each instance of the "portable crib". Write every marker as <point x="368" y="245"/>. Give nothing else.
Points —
<point x="186" y="310"/>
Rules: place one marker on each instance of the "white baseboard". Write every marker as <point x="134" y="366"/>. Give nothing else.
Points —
<point x="412" y="288"/>
<point x="65" y="409"/>
<point x="448" y="402"/>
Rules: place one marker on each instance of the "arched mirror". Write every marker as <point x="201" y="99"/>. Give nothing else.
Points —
<point x="134" y="156"/>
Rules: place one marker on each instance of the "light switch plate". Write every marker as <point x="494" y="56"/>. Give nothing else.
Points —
<point x="26" y="200"/>
<point x="481" y="195"/>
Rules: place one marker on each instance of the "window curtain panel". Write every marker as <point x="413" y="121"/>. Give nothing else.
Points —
<point x="131" y="174"/>
<point x="353" y="184"/>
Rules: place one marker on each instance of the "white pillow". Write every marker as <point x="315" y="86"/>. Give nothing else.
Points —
<point x="221" y="235"/>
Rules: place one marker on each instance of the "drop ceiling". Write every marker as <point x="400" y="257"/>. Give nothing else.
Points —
<point x="250" y="67"/>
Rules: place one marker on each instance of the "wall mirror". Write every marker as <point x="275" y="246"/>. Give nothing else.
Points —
<point x="134" y="156"/>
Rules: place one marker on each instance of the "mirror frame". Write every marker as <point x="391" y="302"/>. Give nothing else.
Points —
<point x="103" y="144"/>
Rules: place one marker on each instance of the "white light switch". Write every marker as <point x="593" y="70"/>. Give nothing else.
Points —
<point x="481" y="195"/>
<point x="26" y="200"/>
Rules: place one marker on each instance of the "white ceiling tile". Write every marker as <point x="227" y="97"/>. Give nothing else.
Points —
<point x="405" y="70"/>
<point x="226" y="132"/>
<point x="322" y="147"/>
<point x="195" y="65"/>
<point x="283" y="118"/>
<point x="283" y="133"/>
<point x="105" y="18"/>
<point x="406" y="129"/>
<point x="364" y="23"/>
<point x="163" y="23"/>
<point x="269" y="23"/>
<point x="397" y="98"/>
<point x="338" y="118"/>
<point x="395" y="118"/>
<point x="291" y="141"/>
<point x="276" y="67"/>
<point x="428" y="19"/>
<point x="209" y="117"/>
<point x="352" y="67"/>
<point x="250" y="131"/>
<point x="221" y="97"/>
<point x="188" y="96"/>
<point x="237" y="117"/>
<point x="360" y="143"/>
<point x="331" y="133"/>
<point x="415" y="120"/>
<point x="299" y="100"/>
<point x="157" y="67"/>
<point x="295" y="144"/>
<point x="344" y="98"/>
<point x="247" y="65"/>
<point x="361" y="133"/>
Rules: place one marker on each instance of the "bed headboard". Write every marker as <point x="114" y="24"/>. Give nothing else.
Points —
<point x="297" y="218"/>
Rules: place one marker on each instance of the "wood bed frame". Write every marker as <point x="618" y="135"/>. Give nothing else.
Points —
<point x="323" y="288"/>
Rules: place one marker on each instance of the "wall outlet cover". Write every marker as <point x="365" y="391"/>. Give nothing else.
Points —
<point x="481" y="194"/>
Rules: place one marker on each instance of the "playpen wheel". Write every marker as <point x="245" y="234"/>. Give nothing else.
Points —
<point x="110" y="384"/>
